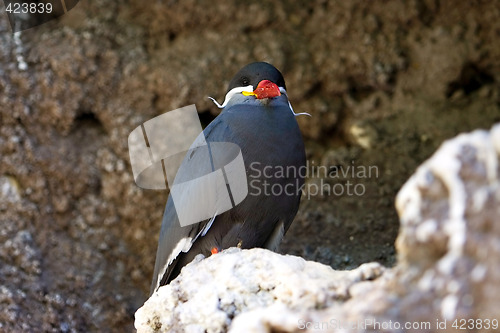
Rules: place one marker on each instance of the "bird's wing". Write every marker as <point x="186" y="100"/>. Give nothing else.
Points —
<point x="174" y="238"/>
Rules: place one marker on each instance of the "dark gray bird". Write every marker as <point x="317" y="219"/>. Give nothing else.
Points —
<point x="259" y="119"/>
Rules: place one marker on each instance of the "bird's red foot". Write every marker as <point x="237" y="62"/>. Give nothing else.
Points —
<point x="214" y="250"/>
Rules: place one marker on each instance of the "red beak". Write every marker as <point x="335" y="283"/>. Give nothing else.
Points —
<point x="265" y="89"/>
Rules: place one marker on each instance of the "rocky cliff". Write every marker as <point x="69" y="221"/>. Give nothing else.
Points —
<point x="386" y="84"/>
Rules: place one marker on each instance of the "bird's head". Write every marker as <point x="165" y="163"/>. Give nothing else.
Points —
<point x="259" y="79"/>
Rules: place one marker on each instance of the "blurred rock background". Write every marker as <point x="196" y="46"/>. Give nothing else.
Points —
<point x="385" y="82"/>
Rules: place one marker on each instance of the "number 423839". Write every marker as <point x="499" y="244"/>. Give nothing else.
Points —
<point x="473" y="324"/>
<point x="29" y="8"/>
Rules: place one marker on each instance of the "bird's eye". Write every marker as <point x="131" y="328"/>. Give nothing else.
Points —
<point x="245" y="81"/>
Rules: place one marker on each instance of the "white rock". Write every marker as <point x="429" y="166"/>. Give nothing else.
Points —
<point x="209" y="293"/>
